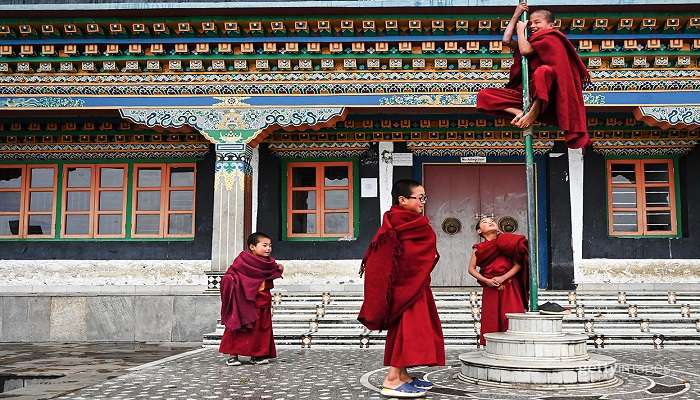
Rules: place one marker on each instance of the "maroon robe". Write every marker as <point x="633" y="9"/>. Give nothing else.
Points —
<point x="557" y="75"/>
<point x="397" y="294"/>
<point x="495" y="258"/>
<point x="246" y="312"/>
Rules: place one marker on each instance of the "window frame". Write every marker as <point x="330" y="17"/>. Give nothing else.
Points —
<point x="320" y="188"/>
<point x="165" y="189"/>
<point x="25" y="191"/>
<point x="641" y="208"/>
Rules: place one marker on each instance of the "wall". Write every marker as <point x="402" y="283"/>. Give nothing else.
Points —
<point x="107" y="318"/>
<point x="197" y="249"/>
<point x="561" y="276"/>
<point x="270" y="184"/>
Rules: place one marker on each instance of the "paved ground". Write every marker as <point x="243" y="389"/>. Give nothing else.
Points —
<point x="321" y="374"/>
<point x="50" y="370"/>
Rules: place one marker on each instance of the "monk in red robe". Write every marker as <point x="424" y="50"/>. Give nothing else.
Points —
<point x="502" y="262"/>
<point x="246" y="303"/>
<point x="557" y="75"/>
<point x="397" y="295"/>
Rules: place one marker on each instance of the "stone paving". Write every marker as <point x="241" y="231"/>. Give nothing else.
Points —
<point x="324" y="374"/>
<point x="43" y="371"/>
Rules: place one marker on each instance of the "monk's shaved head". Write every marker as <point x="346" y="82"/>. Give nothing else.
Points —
<point x="546" y="14"/>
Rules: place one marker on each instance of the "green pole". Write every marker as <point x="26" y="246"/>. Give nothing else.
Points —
<point x="531" y="193"/>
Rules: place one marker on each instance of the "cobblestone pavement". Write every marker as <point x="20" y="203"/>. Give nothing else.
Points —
<point x="43" y="371"/>
<point x="322" y="374"/>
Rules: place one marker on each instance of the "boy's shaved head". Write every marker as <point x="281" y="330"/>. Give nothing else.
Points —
<point x="546" y="14"/>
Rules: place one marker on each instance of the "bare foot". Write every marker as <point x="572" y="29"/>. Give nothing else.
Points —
<point x="392" y="384"/>
<point x="530" y="117"/>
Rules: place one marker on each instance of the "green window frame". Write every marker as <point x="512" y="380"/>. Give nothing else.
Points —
<point x="58" y="215"/>
<point x="320" y="163"/>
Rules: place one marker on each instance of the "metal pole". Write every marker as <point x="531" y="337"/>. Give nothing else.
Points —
<point x="531" y="192"/>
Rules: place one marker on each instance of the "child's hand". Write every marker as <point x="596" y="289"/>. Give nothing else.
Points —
<point x="521" y="27"/>
<point x="522" y="7"/>
<point x="280" y="267"/>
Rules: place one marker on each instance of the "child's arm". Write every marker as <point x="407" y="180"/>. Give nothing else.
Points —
<point x="510" y="29"/>
<point x="511" y="273"/>
<point x="524" y="46"/>
<point x="473" y="272"/>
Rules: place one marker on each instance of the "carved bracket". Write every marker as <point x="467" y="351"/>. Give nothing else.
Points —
<point x="677" y="117"/>
<point x="237" y="124"/>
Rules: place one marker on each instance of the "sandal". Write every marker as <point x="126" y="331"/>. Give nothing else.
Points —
<point x="233" y="361"/>
<point x="422" y="384"/>
<point x="259" y="361"/>
<point x="405" y="391"/>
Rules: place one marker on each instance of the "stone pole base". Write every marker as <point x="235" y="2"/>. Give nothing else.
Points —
<point x="534" y="353"/>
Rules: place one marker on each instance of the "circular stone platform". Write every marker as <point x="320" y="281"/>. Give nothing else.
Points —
<point x="535" y="353"/>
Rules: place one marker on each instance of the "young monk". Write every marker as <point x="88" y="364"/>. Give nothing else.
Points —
<point x="557" y="75"/>
<point x="246" y="303"/>
<point x="397" y="295"/>
<point x="502" y="260"/>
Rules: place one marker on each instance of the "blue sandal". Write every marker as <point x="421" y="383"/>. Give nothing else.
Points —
<point x="422" y="384"/>
<point x="405" y="391"/>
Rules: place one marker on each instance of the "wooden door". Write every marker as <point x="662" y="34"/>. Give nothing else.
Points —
<point x="457" y="194"/>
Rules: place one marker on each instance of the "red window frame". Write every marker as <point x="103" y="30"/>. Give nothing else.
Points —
<point x="25" y="191"/>
<point x="165" y="190"/>
<point x="320" y="188"/>
<point x="94" y="189"/>
<point x="641" y="208"/>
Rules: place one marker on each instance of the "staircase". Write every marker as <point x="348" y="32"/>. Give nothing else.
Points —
<point x="609" y="319"/>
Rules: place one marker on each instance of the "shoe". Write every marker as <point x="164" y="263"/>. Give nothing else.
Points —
<point x="553" y="309"/>
<point x="422" y="384"/>
<point x="233" y="361"/>
<point x="405" y="391"/>
<point x="259" y="361"/>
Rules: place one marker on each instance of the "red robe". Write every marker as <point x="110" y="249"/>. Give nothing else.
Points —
<point x="246" y="312"/>
<point x="557" y="75"/>
<point x="495" y="258"/>
<point x="397" y="295"/>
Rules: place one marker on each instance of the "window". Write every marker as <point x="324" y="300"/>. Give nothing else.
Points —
<point x="641" y="198"/>
<point x="94" y="200"/>
<point x="27" y="201"/>
<point x="164" y="200"/>
<point x="319" y="199"/>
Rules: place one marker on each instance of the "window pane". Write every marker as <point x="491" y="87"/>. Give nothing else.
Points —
<point x="9" y="225"/>
<point x="42" y="178"/>
<point x="336" y="223"/>
<point x="40" y="201"/>
<point x="659" y="221"/>
<point x="336" y="199"/>
<point x="79" y="177"/>
<point x="10" y="201"/>
<point x="181" y="200"/>
<point x="77" y="224"/>
<point x="180" y="224"/>
<point x="10" y="177"/>
<point x="658" y="197"/>
<point x="149" y="177"/>
<point x="303" y="223"/>
<point x="622" y="173"/>
<point x="656" y="173"/>
<point x="148" y="224"/>
<point x="39" y="225"/>
<point x="304" y="200"/>
<point x="108" y="224"/>
<point x="78" y="201"/>
<point x="625" y="221"/>
<point x="110" y="201"/>
<point x="148" y="200"/>
<point x="624" y="197"/>
<point x="304" y="177"/>
<point x="182" y="176"/>
<point x="336" y="176"/>
<point x="111" y="177"/>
